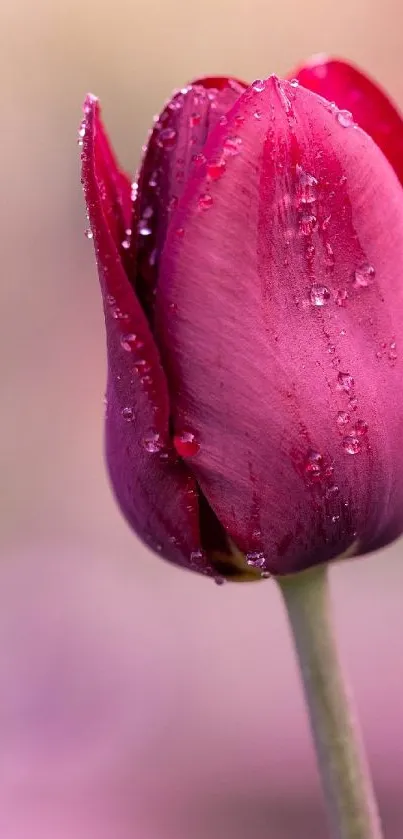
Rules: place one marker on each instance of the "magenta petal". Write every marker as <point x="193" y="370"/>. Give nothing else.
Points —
<point x="280" y="316"/>
<point x="157" y="495"/>
<point x="351" y="90"/>
<point x="175" y="143"/>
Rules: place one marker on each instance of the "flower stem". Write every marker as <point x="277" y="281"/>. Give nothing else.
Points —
<point x="347" y="786"/>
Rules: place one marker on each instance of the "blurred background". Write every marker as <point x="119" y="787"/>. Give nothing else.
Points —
<point x="136" y="701"/>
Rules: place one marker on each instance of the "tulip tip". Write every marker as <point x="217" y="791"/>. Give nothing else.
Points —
<point x="90" y="103"/>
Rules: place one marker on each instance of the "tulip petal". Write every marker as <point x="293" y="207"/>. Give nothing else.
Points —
<point x="342" y="83"/>
<point x="277" y="314"/>
<point x="154" y="489"/>
<point x="175" y="143"/>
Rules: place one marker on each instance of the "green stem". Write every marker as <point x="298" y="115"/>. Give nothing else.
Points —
<point x="347" y="786"/>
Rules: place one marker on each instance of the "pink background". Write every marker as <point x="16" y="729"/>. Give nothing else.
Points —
<point x="137" y="701"/>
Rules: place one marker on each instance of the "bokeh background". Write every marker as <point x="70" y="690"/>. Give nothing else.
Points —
<point x="136" y="701"/>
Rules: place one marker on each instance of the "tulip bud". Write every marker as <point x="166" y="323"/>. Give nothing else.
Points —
<point x="254" y="314"/>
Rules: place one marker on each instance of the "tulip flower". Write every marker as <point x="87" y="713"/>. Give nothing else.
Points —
<point x="254" y="317"/>
<point x="254" y="314"/>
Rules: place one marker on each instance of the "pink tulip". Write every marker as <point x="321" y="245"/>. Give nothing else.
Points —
<point x="253" y="301"/>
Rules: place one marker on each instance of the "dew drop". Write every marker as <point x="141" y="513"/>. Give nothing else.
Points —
<point x="153" y="181"/>
<point x="143" y="227"/>
<point x="314" y="465"/>
<point x="345" y="381"/>
<point x="257" y="114"/>
<point x="196" y="557"/>
<point x="167" y="138"/>
<point x="294" y="83"/>
<point x="343" y="418"/>
<point x="130" y="342"/>
<point x="353" y="404"/>
<point x="126" y="244"/>
<point x="216" y="170"/>
<point x="127" y="414"/>
<point x="307" y="224"/>
<point x="152" y="442"/>
<point x="258" y="85"/>
<point x="319" y="295"/>
<point x="186" y="444"/>
<point x="392" y="354"/>
<point x="180" y="232"/>
<point x="345" y="118"/>
<point x="307" y="186"/>
<point x="232" y="146"/>
<point x="88" y="233"/>
<point x="364" y="276"/>
<point x="117" y="314"/>
<point x="352" y="444"/>
<point x="255" y="558"/>
<point x="205" y="201"/>
<point x="360" y="428"/>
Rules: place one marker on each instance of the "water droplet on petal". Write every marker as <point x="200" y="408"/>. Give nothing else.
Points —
<point x="360" y="428"/>
<point x="343" y="418"/>
<point x="294" y="83"/>
<point x="257" y="114"/>
<point x="351" y="444"/>
<point x="392" y="354"/>
<point x="167" y="138"/>
<point x="345" y="381"/>
<point x="364" y="276"/>
<point x="307" y="186"/>
<point x="194" y="120"/>
<point x="152" y="442"/>
<point x="255" y="558"/>
<point x="216" y="170"/>
<point x="319" y="295"/>
<point x="195" y="558"/>
<point x="307" y="223"/>
<point x="232" y="146"/>
<point x="314" y="465"/>
<point x="345" y="118"/>
<point x="88" y="233"/>
<point x="186" y="444"/>
<point x="130" y="342"/>
<point x="126" y="244"/>
<point x="205" y="201"/>
<point x="258" y="85"/>
<point x="127" y="414"/>
<point x="353" y="404"/>
<point x="144" y="228"/>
